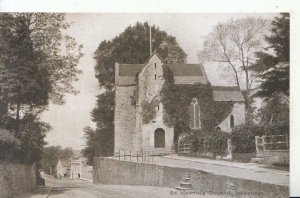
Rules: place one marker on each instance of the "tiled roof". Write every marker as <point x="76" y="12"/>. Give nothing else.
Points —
<point x="226" y="93"/>
<point x="130" y="69"/>
<point x="186" y="69"/>
<point x="183" y="73"/>
<point x="177" y="69"/>
<point x="225" y="88"/>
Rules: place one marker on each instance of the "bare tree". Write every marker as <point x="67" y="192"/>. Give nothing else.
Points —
<point x="234" y="44"/>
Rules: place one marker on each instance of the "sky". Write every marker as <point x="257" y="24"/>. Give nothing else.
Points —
<point x="68" y="120"/>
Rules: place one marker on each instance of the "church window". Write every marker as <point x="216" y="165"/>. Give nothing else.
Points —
<point x="155" y="65"/>
<point x="231" y="121"/>
<point x="155" y="76"/>
<point x="157" y="107"/>
<point x="194" y="111"/>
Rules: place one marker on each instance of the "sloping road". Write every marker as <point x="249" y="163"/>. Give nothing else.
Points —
<point x="83" y="189"/>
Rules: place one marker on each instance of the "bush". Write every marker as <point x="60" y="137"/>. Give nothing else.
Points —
<point x="217" y="143"/>
<point x="243" y="137"/>
<point x="277" y="129"/>
<point x="212" y="142"/>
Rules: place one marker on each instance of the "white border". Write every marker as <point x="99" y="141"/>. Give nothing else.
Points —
<point x="188" y="6"/>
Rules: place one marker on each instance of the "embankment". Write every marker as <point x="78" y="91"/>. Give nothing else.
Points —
<point x="110" y="171"/>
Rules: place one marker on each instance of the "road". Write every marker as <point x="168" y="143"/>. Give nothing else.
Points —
<point x="248" y="171"/>
<point x="83" y="189"/>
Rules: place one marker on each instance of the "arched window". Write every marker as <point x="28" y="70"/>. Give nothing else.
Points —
<point x="194" y="110"/>
<point x="231" y="121"/>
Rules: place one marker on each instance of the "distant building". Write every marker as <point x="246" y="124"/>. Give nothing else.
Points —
<point x="63" y="168"/>
<point x="87" y="173"/>
<point x="77" y="167"/>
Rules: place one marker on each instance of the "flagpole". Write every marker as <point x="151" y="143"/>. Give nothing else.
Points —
<point x="150" y="40"/>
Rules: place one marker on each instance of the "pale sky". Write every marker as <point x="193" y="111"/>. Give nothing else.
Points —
<point x="68" y="120"/>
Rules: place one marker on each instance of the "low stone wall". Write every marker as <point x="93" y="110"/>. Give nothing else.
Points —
<point x="16" y="179"/>
<point x="277" y="157"/>
<point x="110" y="171"/>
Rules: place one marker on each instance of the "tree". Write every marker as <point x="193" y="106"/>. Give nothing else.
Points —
<point x="38" y="61"/>
<point x="131" y="46"/>
<point x="274" y="111"/>
<point x="272" y="65"/>
<point x="99" y="142"/>
<point x="234" y="44"/>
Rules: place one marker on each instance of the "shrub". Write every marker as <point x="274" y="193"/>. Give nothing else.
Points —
<point x="277" y="129"/>
<point x="243" y="137"/>
<point x="213" y="142"/>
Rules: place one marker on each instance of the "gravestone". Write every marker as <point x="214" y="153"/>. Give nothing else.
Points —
<point x="229" y="149"/>
<point x="259" y="146"/>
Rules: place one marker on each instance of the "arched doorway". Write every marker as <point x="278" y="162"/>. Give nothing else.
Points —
<point x="159" y="138"/>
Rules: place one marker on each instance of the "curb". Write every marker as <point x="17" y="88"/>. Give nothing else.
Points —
<point x="85" y="179"/>
<point x="192" y="160"/>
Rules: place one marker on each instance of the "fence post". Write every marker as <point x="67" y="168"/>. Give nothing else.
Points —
<point x="137" y="156"/>
<point x="142" y="156"/>
<point x="263" y="141"/>
<point x="130" y="155"/>
<point x="152" y="157"/>
<point x="124" y="155"/>
<point x="287" y="141"/>
<point x="119" y="155"/>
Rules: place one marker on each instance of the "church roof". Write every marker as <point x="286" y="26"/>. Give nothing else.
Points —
<point x="187" y="69"/>
<point x="227" y="93"/>
<point x="183" y="73"/>
<point x="188" y="73"/>
<point x="130" y="69"/>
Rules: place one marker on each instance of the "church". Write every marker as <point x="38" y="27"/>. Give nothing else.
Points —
<point x="143" y="83"/>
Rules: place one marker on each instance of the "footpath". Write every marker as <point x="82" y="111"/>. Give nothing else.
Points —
<point x="248" y="171"/>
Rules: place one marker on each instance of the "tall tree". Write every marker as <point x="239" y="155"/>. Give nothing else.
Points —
<point x="272" y="65"/>
<point x="131" y="46"/>
<point x="38" y="61"/>
<point x="234" y="43"/>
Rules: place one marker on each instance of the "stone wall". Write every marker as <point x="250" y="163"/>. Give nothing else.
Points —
<point x="238" y="111"/>
<point x="151" y="80"/>
<point x="124" y="117"/>
<point x="150" y="83"/>
<point x="277" y="157"/>
<point x="16" y="179"/>
<point x="149" y="129"/>
<point x="109" y="171"/>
